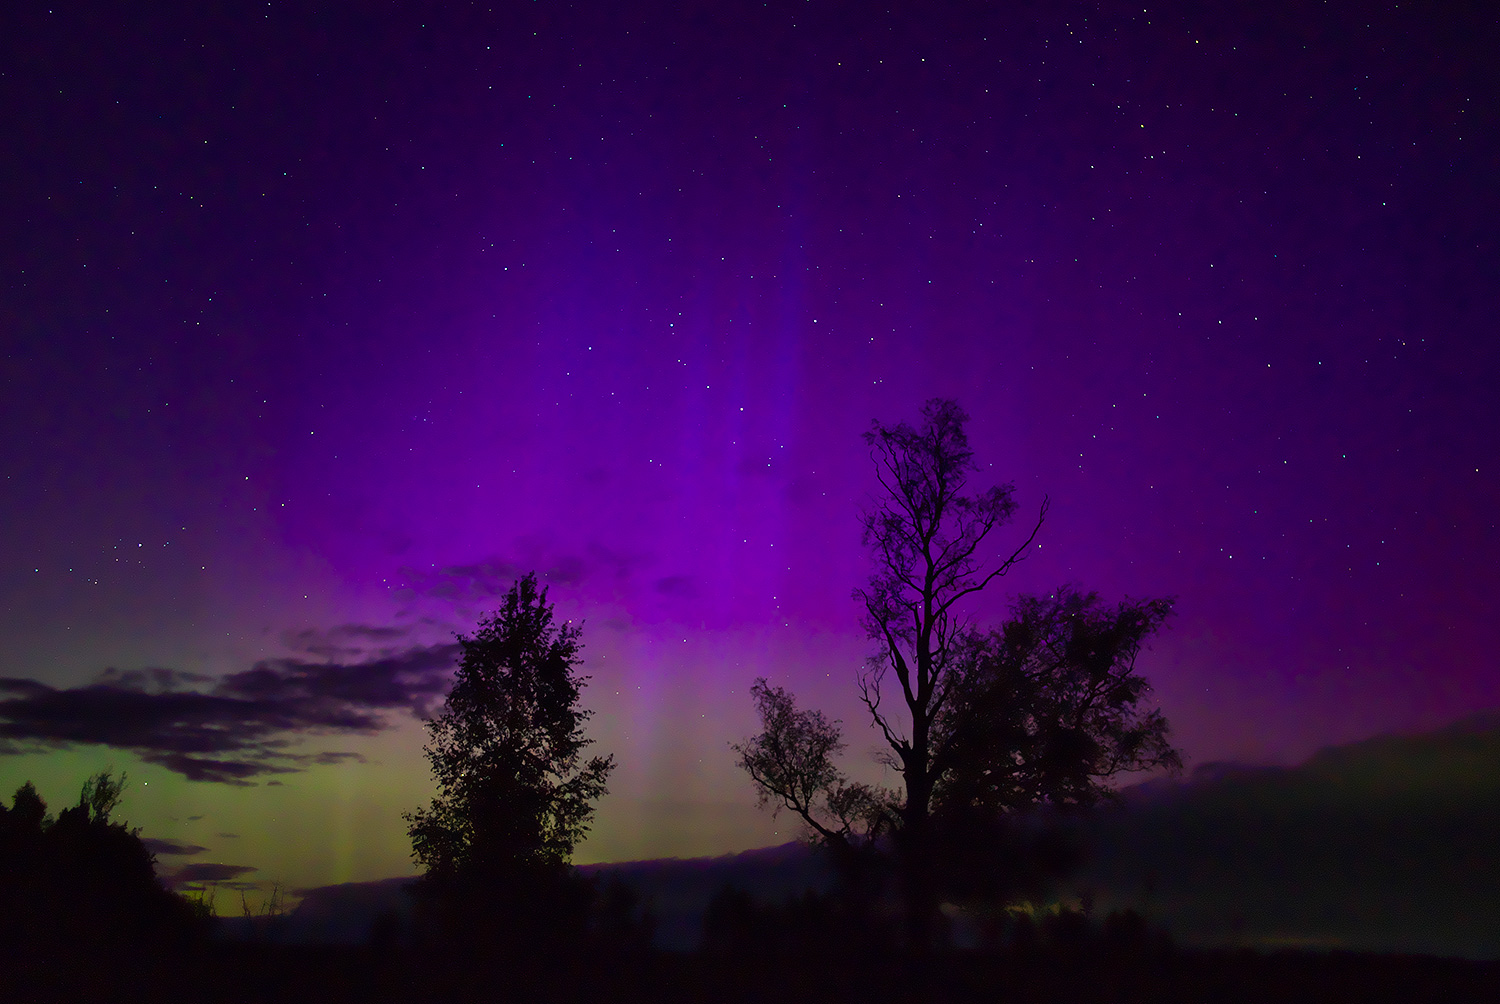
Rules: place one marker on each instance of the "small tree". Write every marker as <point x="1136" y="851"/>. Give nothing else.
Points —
<point x="101" y="795"/>
<point x="514" y="792"/>
<point x="791" y="763"/>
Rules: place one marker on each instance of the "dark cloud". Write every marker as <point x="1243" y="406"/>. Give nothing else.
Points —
<point x="200" y="873"/>
<point x="24" y="688"/>
<point x="346" y="640"/>
<point x="152" y="680"/>
<point x="335" y="757"/>
<point x="171" y="848"/>
<point x="201" y="768"/>
<point x="477" y="581"/>
<point x="240" y="728"/>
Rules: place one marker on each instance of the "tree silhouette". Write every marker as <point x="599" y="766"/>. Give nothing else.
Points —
<point x="1050" y="705"/>
<point x="1047" y="708"/>
<point x="791" y="762"/>
<point x="514" y="792"/>
<point x="81" y="881"/>
<point x="1040" y="712"/>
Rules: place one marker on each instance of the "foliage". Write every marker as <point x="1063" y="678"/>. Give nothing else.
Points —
<point x="507" y="749"/>
<point x="1051" y="706"/>
<point x="791" y="763"/>
<point x="82" y="881"/>
<point x="101" y="795"/>
<point x="810" y="926"/>
<point x="622" y="919"/>
<point x="515" y="794"/>
<point x="1041" y="712"/>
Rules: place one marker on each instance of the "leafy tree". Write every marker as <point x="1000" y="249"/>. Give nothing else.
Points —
<point x="82" y="880"/>
<point x="1051" y="706"/>
<point x="28" y="812"/>
<point x="791" y="762"/>
<point x="1041" y="712"/>
<point x="515" y="794"/>
<point x="808" y="925"/>
<point x="101" y="795"/>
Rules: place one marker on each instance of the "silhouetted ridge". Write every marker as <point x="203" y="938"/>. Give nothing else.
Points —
<point x="1391" y="843"/>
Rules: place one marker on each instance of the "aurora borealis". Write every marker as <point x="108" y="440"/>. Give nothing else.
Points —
<point x="319" y="328"/>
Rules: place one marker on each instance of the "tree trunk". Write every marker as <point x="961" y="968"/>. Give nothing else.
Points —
<point x="918" y="888"/>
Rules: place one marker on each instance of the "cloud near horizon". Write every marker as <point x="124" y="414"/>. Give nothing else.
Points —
<point x="193" y="877"/>
<point x="241" y="727"/>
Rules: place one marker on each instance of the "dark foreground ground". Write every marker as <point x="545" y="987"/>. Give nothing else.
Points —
<point x="328" y="975"/>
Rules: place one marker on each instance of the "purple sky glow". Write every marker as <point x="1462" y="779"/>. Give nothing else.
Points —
<point x="320" y="329"/>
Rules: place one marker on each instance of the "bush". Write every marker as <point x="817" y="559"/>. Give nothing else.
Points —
<point x="82" y="882"/>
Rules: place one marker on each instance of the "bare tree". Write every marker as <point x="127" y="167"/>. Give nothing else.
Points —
<point x="929" y="541"/>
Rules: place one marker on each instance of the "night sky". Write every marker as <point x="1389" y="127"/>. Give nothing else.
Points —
<point x="320" y="327"/>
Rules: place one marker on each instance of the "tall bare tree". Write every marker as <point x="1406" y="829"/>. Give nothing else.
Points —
<point x="931" y="543"/>
<point x="932" y="548"/>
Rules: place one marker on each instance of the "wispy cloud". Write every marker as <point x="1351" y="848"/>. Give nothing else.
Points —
<point x="347" y="640"/>
<point x="243" y="726"/>
<point x="171" y="848"/>
<point x="679" y="586"/>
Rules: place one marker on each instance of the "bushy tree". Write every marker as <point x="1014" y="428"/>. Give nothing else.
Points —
<point x="82" y="881"/>
<point x="515" y="793"/>
<point x="1042" y="711"/>
<point x="1050" y="706"/>
<point x="792" y="764"/>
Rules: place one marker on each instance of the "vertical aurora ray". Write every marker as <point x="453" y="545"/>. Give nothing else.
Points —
<point x="341" y="325"/>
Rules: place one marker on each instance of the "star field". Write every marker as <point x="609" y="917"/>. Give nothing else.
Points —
<point x="319" y="328"/>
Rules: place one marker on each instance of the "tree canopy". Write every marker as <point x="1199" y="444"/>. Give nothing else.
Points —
<point x="792" y="764"/>
<point x="515" y="793"/>
<point x="1051" y="706"/>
